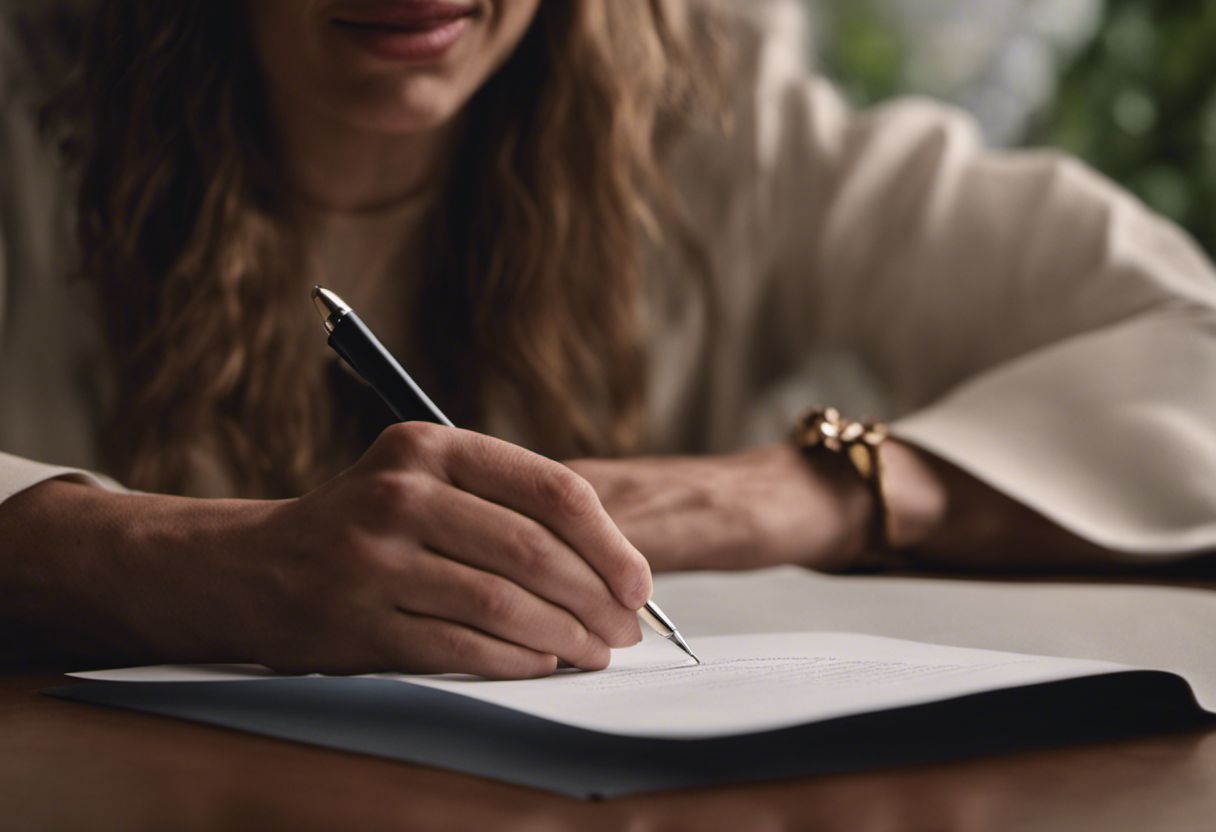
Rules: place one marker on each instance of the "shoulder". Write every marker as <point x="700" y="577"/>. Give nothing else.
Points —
<point x="786" y="118"/>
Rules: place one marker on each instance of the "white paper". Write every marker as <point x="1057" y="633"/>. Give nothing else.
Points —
<point x="746" y="683"/>
<point x="1154" y="627"/>
<point x="761" y="682"/>
<point x="183" y="673"/>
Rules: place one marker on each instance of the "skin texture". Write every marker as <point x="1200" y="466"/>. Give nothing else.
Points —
<point x="442" y="550"/>
<point x="359" y="131"/>
<point x="770" y="506"/>
<point x="762" y="507"/>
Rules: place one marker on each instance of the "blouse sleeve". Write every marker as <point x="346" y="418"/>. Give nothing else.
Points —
<point x="1023" y="317"/>
<point x="17" y="474"/>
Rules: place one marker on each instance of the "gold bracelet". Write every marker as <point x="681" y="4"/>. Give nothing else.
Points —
<point x="859" y="442"/>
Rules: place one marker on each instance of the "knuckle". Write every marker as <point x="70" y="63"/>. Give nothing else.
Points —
<point x="492" y="600"/>
<point x="615" y="624"/>
<point x="388" y="491"/>
<point x="346" y="540"/>
<point x="465" y="650"/>
<point x="527" y="547"/>
<point x="583" y="648"/>
<point x="461" y="647"/>
<point x="589" y="645"/>
<point x="410" y="441"/>
<point x="565" y="490"/>
<point x="395" y="492"/>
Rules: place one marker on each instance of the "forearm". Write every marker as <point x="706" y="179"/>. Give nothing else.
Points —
<point x="944" y="518"/>
<point x="89" y="574"/>
<point x="776" y="505"/>
<point x="387" y="567"/>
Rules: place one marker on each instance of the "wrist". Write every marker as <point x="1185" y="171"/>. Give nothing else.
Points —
<point x="853" y="449"/>
<point x="917" y="498"/>
<point x="907" y="501"/>
<point x="855" y="505"/>
<point x="187" y="560"/>
<point x="833" y="508"/>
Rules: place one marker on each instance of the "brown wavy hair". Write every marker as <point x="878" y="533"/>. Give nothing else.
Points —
<point x="533" y="283"/>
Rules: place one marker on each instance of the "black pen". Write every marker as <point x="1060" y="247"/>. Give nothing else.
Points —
<point x="358" y="346"/>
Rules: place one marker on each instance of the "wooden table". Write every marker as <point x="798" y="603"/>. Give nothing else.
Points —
<point x="65" y="765"/>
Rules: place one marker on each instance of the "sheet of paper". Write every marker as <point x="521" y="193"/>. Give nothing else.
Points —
<point x="1157" y="627"/>
<point x="746" y="683"/>
<point x="182" y="673"/>
<point x="760" y="682"/>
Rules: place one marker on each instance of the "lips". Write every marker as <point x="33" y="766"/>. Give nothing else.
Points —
<point x="410" y="31"/>
<point x="407" y="16"/>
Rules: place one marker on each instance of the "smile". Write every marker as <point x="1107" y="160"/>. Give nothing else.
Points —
<point x="412" y="32"/>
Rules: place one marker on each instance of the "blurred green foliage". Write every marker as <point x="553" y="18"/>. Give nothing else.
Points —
<point x="1138" y="102"/>
<point x="1140" y="105"/>
<point x="865" y="56"/>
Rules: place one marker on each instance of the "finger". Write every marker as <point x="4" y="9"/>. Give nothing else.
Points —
<point x="528" y="483"/>
<point x="443" y="588"/>
<point x="420" y="644"/>
<point x="496" y="539"/>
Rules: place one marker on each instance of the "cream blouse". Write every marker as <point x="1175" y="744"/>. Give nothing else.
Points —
<point x="1013" y="313"/>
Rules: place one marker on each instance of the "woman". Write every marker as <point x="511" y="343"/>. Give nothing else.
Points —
<point x="580" y="239"/>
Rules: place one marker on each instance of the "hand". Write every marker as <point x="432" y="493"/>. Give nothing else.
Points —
<point x="444" y="550"/>
<point x="763" y="507"/>
<point x="441" y="550"/>
<point x="773" y="506"/>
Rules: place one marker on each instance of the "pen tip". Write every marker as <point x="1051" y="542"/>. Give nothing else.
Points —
<point x="329" y="306"/>
<point x="679" y="641"/>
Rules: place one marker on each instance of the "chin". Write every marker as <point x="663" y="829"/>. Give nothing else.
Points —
<point x="411" y="106"/>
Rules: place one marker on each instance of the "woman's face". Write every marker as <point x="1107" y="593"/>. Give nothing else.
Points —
<point x="387" y="66"/>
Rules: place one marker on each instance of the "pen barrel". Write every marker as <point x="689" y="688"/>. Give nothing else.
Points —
<point x="362" y="350"/>
<point x="358" y="346"/>
<point x="657" y="619"/>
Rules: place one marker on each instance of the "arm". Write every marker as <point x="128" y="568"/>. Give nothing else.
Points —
<point x="1040" y="342"/>
<point x="439" y="551"/>
<point x="944" y="518"/>
<point x="771" y="506"/>
<point x="1032" y="326"/>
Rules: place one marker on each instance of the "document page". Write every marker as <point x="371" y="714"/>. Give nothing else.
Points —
<point x="745" y="684"/>
<point x="760" y="682"/>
